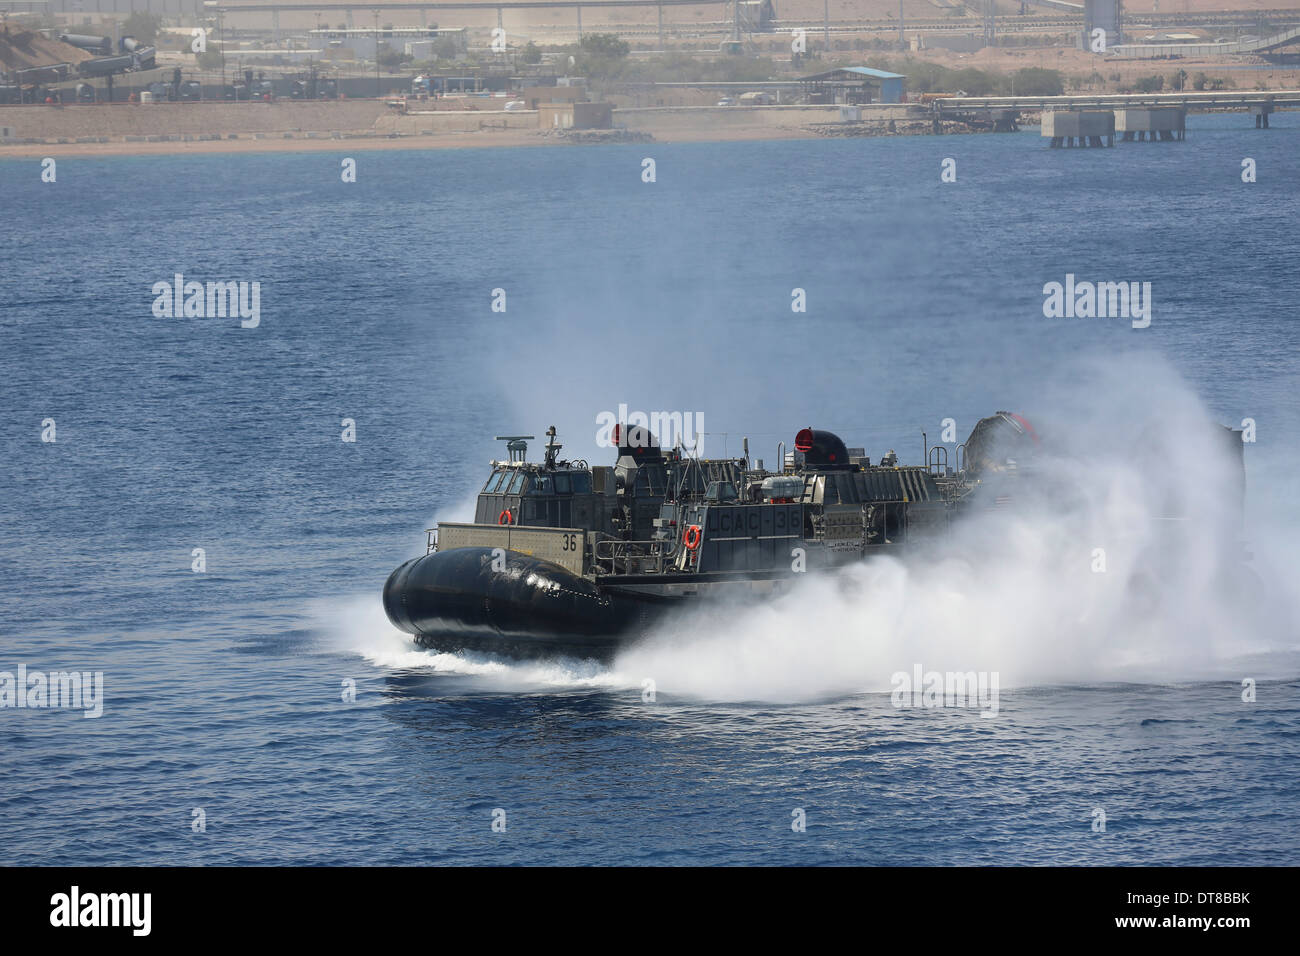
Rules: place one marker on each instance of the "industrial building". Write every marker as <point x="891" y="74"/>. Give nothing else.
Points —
<point x="853" y="85"/>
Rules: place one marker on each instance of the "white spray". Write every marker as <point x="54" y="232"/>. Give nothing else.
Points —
<point x="1092" y="581"/>
<point x="1128" y="567"/>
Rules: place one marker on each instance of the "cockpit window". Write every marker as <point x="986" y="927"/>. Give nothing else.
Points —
<point x="516" y="483"/>
<point x="582" y="482"/>
<point x="493" y="482"/>
<point x="542" y="484"/>
<point x="563" y="485"/>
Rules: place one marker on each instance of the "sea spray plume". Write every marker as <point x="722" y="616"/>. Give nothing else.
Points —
<point x="462" y="509"/>
<point x="1120" y="561"/>
<point x="357" y="625"/>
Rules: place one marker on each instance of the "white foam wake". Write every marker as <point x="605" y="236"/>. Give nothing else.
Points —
<point x="358" y="625"/>
<point x="1017" y="594"/>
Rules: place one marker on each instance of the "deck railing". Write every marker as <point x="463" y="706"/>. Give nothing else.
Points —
<point x="632" y="557"/>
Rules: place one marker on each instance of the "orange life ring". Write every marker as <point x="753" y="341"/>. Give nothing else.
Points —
<point x="691" y="537"/>
<point x="505" y="517"/>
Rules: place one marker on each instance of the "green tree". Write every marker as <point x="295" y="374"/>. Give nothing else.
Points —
<point x="974" y="82"/>
<point x="390" y="58"/>
<point x="1035" y="81"/>
<point x="445" y="48"/>
<point x="143" y="26"/>
<point x="531" y="53"/>
<point x="604" y="44"/>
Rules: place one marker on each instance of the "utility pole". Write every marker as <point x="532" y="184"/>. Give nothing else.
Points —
<point x="221" y="38"/>
<point x="221" y="42"/>
<point x="378" y="82"/>
<point x="902" y="43"/>
<point x="826" y="23"/>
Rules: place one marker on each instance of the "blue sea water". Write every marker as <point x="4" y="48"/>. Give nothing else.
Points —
<point x="224" y="689"/>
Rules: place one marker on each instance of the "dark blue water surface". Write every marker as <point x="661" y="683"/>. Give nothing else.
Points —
<point x="223" y="688"/>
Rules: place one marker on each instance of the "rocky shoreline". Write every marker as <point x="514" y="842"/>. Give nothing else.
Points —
<point x="597" y="136"/>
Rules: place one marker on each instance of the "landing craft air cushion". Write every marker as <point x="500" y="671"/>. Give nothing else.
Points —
<point x="566" y="555"/>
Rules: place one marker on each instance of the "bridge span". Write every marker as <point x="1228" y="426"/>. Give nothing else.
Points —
<point x="1152" y="51"/>
<point x="1216" y="100"/>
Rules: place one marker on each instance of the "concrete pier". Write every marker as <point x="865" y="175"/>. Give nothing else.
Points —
<point x="1071" y="128"/>
<point x="1164" y="124"/>
<point x="1057" y="110"/>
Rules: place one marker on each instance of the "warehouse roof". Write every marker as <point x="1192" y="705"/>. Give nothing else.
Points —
<point x="856" y="70"/>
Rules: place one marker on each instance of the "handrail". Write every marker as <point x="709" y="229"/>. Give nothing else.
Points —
<point x="609" y="552"/>
<point x="936" y="463"/>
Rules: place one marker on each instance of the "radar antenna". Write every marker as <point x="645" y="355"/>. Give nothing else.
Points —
<point x="517" y="446"/>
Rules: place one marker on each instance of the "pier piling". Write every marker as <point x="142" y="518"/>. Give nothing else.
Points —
<point x="1151" y="124"/>
<point x="1084" y="128"/>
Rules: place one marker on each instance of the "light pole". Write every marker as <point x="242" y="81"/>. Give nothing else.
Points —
<point x="214" y="6"/>
<point x="221" y="39"/>
<point x="378" y="92"/>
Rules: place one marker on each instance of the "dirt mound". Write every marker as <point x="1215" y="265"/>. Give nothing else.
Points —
<point x="24" y="50"/>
